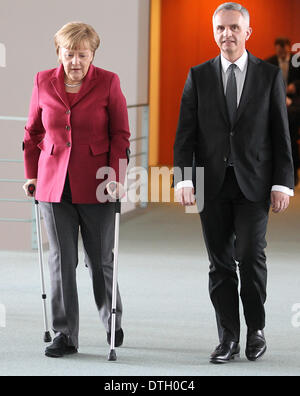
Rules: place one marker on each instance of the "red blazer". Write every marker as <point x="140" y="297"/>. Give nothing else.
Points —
<point x="91" y="133"/>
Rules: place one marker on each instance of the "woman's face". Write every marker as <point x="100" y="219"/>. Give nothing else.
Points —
<point x="76" y="63"/>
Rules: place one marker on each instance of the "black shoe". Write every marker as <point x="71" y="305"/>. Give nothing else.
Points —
<point x="225" y="352"/>
<point x="256" y="345"/>
<point x="60" y="348"/>
<point x="119" y="338"/>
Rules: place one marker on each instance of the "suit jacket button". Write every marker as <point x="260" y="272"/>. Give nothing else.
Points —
<point x="225" y="159"/>
<point x="68" y="127"/>
<point x="68" y="144"/>
<point x="231" y="133"/>
<point x="68" y="112"/>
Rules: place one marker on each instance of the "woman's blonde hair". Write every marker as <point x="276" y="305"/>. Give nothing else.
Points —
<point x="72" y="34"/>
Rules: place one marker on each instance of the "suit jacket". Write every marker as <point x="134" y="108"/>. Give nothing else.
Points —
<point x="259" y="141"/>
<point x="294" y="72"/>
<point x="91" y="133"/>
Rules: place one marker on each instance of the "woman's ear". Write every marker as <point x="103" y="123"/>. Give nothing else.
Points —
<point x="59" y="56"/>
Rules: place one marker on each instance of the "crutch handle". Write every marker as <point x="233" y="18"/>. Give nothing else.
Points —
<point x="31" y="190"/>
<point x="118" y="206"/>
<point x="128" y="155"/>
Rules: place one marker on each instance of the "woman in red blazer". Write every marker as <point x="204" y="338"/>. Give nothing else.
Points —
<point x="77" y="124"/>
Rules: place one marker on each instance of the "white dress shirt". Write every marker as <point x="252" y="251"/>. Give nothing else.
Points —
<point x="240" y="75"/>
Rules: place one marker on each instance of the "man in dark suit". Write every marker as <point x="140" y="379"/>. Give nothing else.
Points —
<point x="283" y="59"/>
<point x="233" y="120"/>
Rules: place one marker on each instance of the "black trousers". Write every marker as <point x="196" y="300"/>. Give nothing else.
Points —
<point x="235" y="234"/>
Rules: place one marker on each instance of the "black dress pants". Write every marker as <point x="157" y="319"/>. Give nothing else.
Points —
<point x="235" y="234"/>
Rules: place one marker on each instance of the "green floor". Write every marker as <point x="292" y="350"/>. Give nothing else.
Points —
<point x="168" y="318"/>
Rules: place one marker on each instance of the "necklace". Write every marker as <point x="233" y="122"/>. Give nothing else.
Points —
<point x="73" y="86"/>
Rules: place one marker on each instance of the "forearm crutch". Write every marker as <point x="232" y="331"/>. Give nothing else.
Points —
<point x="47" y="335"/>
<point x="112" y="354"/>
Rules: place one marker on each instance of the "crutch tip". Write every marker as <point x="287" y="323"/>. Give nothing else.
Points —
<point x="112" y="357"/>
<point x="47" y="337"/>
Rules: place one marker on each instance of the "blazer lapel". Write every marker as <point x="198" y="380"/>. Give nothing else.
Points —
<point x="59" y="85"/>
<point x="252" y="77"/>
<point x="60" y="89"/>
<point x="216" y="63"/>
<point x="87" y="86"/>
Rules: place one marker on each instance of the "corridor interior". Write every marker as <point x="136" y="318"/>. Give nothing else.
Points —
<point x="168" y="321"/>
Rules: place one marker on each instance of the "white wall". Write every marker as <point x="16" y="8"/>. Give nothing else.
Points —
<point x="26" y="46"/>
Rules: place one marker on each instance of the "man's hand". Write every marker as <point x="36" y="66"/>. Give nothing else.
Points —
<point x="186" y="196"/>
<point x="289" y="101"/>
<point x="115" y="190"/>
<point x="279" y="201"/>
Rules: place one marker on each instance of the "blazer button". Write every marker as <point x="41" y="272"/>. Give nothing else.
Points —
<point x="68" y="128"/>
<point x="68" y="112"/>
<point x="225" y="159"/>
<point x="232" y="134"/>
<point x="68" y="144"/>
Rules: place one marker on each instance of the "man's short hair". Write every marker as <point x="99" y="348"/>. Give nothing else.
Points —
<point x="282" y="42"/>
<point x="234" y="7"/>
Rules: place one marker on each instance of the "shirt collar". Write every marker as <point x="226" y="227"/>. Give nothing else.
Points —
<point x="241" y="62"/>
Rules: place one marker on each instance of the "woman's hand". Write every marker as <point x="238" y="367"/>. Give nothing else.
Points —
<point x="115" y="190"/>
<point x="27" y="184"/>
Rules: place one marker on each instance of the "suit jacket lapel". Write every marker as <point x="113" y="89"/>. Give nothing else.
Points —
<point x="59" y="85"/>
<point x="252" y="77"/>
<point x="216" y="63"/>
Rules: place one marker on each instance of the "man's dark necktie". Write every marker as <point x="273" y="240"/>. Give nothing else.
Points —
<point x="231" y="95"/>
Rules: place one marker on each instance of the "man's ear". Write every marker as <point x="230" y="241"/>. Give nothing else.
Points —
<point x="249" y="33"/>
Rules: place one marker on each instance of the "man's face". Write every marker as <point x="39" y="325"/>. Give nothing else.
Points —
<point x="231" y="32"/>
<point x="282" y="52"/>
